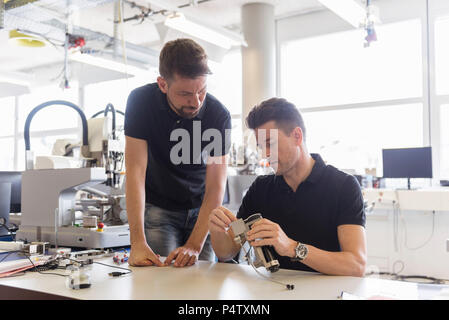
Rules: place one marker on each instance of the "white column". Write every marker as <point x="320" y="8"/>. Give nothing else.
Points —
<point x="259" y="57"/>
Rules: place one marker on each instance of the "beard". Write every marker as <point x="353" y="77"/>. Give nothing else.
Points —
<point x="187" y="112"/>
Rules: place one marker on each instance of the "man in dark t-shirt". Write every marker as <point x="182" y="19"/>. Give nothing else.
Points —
<point x="177" y="138"/>
<point x="313" y="214"/>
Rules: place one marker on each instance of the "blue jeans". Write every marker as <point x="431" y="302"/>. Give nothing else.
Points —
<point x="167" y="230"/>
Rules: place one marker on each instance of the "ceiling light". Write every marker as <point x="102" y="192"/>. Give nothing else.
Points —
<point x="105" y="63"/>
<point x="222" y="38"/>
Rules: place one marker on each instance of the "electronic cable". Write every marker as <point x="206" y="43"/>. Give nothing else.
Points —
<point x="36" y="268"/>
<point x="288" y="286"/>
<point x="114" y="274"/>
<point x="425" y="242"/>
<point x="427" y="278"/>
<point x="395" y="276"/>
<point x="50" y="103"/>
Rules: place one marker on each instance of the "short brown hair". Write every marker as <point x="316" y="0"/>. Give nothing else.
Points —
<point x="184" y="57"/>
<point x="284" y="113"/>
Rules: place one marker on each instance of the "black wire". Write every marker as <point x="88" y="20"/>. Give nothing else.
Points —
<point x="50" y="273"/>
<point x="431" y="279"/>
<point x="38" y="268"/>
<point x="248" y="257"/>
<point x="103" y="264"/>
<point x="396" y="276"/>
<point x="146" y="12"/>
<point x="107" y="265"/>
<point x="102" y="112"/>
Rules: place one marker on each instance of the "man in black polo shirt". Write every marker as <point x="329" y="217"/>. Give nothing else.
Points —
<point x="313" y="213"/>
<point x="176" y="143"/>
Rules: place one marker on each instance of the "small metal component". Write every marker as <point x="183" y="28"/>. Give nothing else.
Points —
<point x="35" y="248"/>
<point x="264" y="255"/>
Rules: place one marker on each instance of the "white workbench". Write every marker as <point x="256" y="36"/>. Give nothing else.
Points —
<point x="425" y="199"/>
<point x="211" y="281"/>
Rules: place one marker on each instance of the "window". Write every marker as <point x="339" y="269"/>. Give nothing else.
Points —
<point x="226" y="85"/>
<point x="53" y="117"/>
<point x="356" y="101"/>
<point x="55" y="121"/>
<point x="442" y="55"/>
<point x="442" y="90"/>
<point x="7" y="154"/>
<point x="444" y="141"/>
<point x="7" y="121"/>
<point x="97" y="96"/>
<point x="226" y="81"/>
<point x="7" y="109"/>
<point x="336" y="69"/>
<point x="354" y="138"/>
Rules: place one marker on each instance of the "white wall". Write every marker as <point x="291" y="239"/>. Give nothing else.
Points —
<point x="430" y="260"/>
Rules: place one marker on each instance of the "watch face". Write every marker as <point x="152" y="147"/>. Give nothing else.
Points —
<point x="301" y="251"/>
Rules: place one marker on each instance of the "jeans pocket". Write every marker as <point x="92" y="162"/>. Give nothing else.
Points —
<point x="156" y="217"/>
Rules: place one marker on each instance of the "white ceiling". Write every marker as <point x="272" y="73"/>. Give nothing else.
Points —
<point x="223" y="13"/>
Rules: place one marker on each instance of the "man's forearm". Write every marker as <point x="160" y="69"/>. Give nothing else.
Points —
<point x="135" y="206"/>
<point x="335" y="263"/>
<point x="213" y="198"/>
<point x="136" y="152"/>
<point x="200" y="231"/>
<point x="224" y="246"/>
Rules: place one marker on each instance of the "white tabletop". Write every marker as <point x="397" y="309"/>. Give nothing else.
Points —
<point x="212" y="281"/>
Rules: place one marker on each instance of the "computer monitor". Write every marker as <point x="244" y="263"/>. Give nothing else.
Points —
<point x="407" y="163"/>
<point x="15" y="178"/>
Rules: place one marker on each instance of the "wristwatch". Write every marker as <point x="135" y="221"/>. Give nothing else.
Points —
<point x="301" y="252"/>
